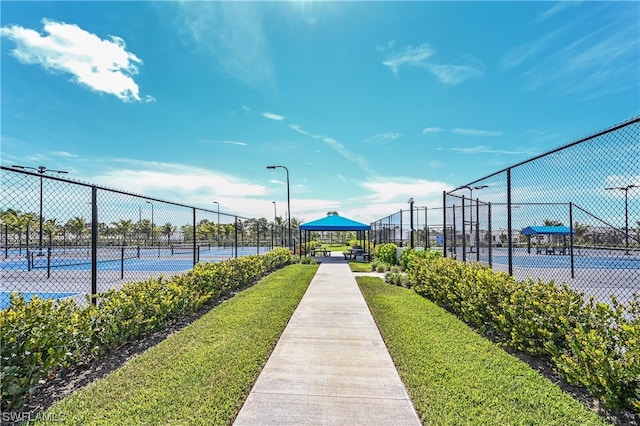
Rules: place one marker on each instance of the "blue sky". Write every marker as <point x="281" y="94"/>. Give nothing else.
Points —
<point x="366" y="103"/>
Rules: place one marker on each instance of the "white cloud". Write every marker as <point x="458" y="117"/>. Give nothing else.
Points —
<point x="476" y="132"/>
<point x="419" y="57"/>
<point x="429" y="130"/>
<point x="232" y="33"/>
<point x="64" y="154"/>
<point x="272" y="116"/>
<point x="102" y="65"/>
<point x="385" y="137"/>
<point x="453" y="74"/>
<point x="595" y="54"/>
<point x="400" y="189"/>
<point x="487" y="150"/>
<point x="554" y="10"/>
<point x="299" y="129"/>
<point x="338" y="147"/>
<point x="415" y="56"/>
<point x="176" y="180"/>
<point x="234" y="143"/>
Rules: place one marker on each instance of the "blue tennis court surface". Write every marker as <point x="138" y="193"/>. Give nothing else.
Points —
<point x="555" y="261"/>
<point x="5" y="299"/>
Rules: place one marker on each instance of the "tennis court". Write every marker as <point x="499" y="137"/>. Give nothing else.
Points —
<point x="69" y="269"/>
<point x="598" y="272"/>
<point x="5" y="299"/>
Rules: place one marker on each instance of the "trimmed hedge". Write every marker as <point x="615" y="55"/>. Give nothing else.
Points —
<point x="42" y="336"/>
<point x="386" y="253"/>
<point x="593" y="344"/>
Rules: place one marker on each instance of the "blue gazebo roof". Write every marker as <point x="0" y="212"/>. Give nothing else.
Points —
<point x="546" y="230"/>
<point x="334" y="223"/>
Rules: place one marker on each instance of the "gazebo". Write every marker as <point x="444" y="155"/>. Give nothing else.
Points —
<point x="335" y="222"/>
<point x="547" y="230"/>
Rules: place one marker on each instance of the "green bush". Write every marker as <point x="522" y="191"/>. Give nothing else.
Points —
<point x="42" y="336"/>
<point x="408" y="256"/>
<point x="593" y="344"/>
<point x="37" y="338"/>
<point x="307" y="260"/>
<point x="398" y="278"/>
<point x="603" y="353"/>
<point x="386" y="253"/>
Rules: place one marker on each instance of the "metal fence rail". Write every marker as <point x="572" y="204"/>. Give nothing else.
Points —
<point x="62" y="238"/>
<point x="587" y="192"/>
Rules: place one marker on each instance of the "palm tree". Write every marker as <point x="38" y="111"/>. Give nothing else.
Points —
<point x="18" y="223"/>
<point x="49" y="227"/>
<point x="123" y="227"/>
<point x="77" y="226"/>
<point x="207" y="229"/>
<point x="332" y="213"/>
<point x="168" y="230"/>
<point x="580" y="230"/>
<point x="263" y="228"/>
<point x="228" y="229"/>
<point x="187" y="232"/>
<point x="143" y="227"/>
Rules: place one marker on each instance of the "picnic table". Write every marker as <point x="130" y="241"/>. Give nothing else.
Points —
<point x="353" y="253"/>
<point x="317" y="250"/>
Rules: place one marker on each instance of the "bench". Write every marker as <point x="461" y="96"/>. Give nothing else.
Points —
<point x="317" y="250"/>
<point x="354" y="253"/>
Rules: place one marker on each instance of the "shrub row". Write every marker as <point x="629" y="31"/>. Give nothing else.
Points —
<point x="593" y="344"/>
<point x="40" y="337"/>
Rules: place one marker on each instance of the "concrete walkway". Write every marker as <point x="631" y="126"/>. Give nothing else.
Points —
<point x="330" y="366"/>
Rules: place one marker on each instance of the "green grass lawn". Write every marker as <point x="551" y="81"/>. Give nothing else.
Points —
<point x="456" y="377"/>
<point x="360" y="266"/>
<point x="202" y="374"/>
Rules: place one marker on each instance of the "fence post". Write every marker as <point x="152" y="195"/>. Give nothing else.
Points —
<point x="444" y="223"/>
<point x="477" y="229"/>
<point x="571" y="238"/>
<point x="464" y="233"/>
<point x="455" y="243"/>
<point x="490" y="230"/>
<point x="235" y="227"/>
<point x="94" y="244"/>
<point x="509" y="240"/>
<point x="411" y="222"/>
<point x="401" y="242"/>
<point x="48" y="262"/>
<point x="195" y="255"/>
<point x="122" y="262"/>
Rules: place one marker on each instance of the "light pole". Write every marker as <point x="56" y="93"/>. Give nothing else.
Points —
<point x="288" y="200"/>
<point x="41" y="170"/>
<point x="275" y="217"/>
<point x="626" y="210"/>
<point x="411" y="221"/>
<point x="471" y="189"/>
<point x="152" y="226"/>
<point x="218" y="224"/>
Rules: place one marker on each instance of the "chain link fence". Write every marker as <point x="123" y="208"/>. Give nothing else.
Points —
<point x="61" y="238"/>
<point x="419" y="226"/>
<point x="571" y="215"/>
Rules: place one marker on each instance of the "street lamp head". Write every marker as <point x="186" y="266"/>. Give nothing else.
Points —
<point x="40" y="169"/>
<point x="271" y="167"/>
<point x="480" y="187"/>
